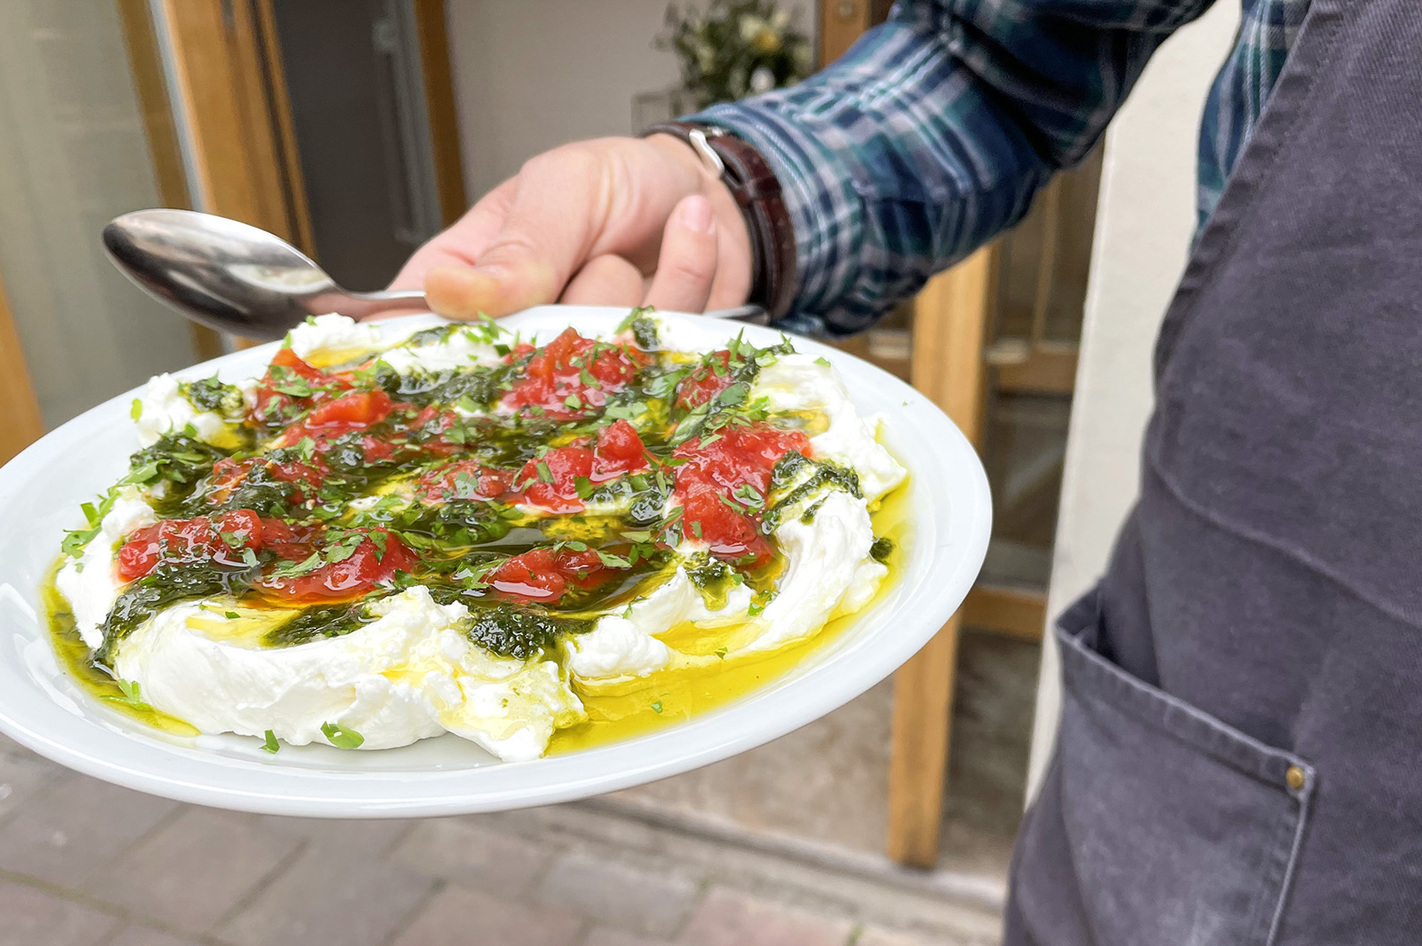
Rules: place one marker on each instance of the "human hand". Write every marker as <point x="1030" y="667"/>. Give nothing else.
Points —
<point x="613" y="221"/>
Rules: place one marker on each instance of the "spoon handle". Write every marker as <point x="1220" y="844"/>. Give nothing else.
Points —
<point x="362" y="305"/>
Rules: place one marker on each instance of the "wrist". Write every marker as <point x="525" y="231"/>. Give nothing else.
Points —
<point x="739" y="171"/>
<point x="702" y="181"/>
<point x="734" y="242"/>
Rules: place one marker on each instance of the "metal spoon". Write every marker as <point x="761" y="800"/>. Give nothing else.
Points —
<point x="236" y="278"/>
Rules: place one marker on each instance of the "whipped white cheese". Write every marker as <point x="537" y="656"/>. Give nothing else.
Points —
<point x="336" y="336"/>
<point x="90" y="582"/>
<point x="625" y="645"/>
<point x="331" y="334"/>
<point x="163" y="409"/>
<point x="828" y="572"/>
<point x="406" y="676"/>
<point x="827" y="567"/>
<point x="412" y="672"/>
<point x="799" y="382"/>
<point x="461" y="348"/>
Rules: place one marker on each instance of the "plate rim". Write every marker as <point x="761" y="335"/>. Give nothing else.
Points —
<point x="319" y="792"/>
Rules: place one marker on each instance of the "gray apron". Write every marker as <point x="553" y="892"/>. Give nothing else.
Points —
<point x="1240" y="753"/>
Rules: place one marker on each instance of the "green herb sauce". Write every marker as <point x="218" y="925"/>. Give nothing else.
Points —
<point x="434" y="418"/>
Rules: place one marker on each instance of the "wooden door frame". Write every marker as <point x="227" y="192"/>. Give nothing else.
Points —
<point x="232" y="93"/>
<point x="145" y="60"/>
<point x="20" y="420"/>
<point x="240" y="164"/>
<point x="841" y="22"/>
<point x="950" y="320"/>
<point x="432" y="30"/>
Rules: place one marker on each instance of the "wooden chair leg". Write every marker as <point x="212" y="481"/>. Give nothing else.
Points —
<point x="20" y="423"/>
<point x="922" y="728"/>
<point x="951" y="320"/>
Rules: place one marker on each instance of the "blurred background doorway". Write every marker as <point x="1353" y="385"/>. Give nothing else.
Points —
<point x="356" y="129"/>
<point x="328" y="122"/>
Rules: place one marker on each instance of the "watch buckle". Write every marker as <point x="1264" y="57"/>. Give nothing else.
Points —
<point x="703" y="149"/>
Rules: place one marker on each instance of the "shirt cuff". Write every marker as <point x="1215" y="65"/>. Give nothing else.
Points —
<point x="825" y="210"/>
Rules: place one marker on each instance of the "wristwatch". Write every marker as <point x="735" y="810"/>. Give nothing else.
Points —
<point x="752" y="182"/>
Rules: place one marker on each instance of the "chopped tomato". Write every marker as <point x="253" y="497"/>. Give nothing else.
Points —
<point x="705" y="381"/>
<point x="619" y="450"/>
<point x="353" y="577"/>
<point x="543" y="575"/>
<point x="737" y="455"/>
<point x="552" y="481"/>
<point x="431" y="414"/>
<point x="345" y="422"/>
<point x="290" y="360"/>
<point x="200" y="539"/>
<point x="375" y="450"/>
<point x="572" y="374"/>
<point x="723" y="482"/>
<point x="583" y="569"/>
<point x="530" y="576"/>
<point x="354" y="411"/>
<point x="290" y="541"/>
<point x="287" y="371"/>
<point x="570" y="353"/>
<point x="430" y="432"/>
<point x="351" y="412"/>
<point x="730" y="534"/>
<point x="464" y="479"/>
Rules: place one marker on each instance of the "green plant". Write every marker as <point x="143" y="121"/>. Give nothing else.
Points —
<point x="735" y="48"/>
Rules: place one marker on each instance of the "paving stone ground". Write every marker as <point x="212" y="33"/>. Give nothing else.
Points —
<point x="83" y="863"/>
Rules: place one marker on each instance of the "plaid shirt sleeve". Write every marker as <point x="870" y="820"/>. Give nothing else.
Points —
<point x="934" y="132"/>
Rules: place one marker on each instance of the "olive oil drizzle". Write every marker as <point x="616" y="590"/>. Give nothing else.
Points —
<point x="647" y="704"/>
<point x="93" y="677"/>
<point x="460" y="540"/>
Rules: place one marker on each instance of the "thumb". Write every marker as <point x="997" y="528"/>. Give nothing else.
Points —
<point x="506" y="280"/>
<point x="686" y="268"/>
<point x="543" y="241"/>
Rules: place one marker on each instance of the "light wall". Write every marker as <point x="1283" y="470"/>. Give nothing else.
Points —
<point x="1144" y="224"/>
<point x="532" y="74"/>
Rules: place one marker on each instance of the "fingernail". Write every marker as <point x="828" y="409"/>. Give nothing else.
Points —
<point x="452" y="277"/>
<point x="696" y="215"/>
<point x="494" y="272"/>
<point x="495" y="288"/>
<point x="457" y="291"/>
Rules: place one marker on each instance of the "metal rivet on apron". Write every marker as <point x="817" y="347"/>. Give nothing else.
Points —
<point x="1296" y="778"/>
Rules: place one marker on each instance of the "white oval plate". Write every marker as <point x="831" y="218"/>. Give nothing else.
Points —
<point x="43" y="708"/>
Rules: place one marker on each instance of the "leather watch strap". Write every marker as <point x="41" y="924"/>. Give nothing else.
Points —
<point x="749" y="177"/>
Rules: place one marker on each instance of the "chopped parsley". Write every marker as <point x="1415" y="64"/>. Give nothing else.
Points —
<point x="536" y="487"/>
<point x="342" y="737"/>
<point x="130" y="695"/>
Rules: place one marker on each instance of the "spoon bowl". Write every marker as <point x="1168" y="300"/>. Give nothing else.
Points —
<point x="231" y="276"/>
<point x="240" y="279"/>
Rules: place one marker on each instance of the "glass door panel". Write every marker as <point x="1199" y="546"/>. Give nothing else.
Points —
<point x="73" y="154"/>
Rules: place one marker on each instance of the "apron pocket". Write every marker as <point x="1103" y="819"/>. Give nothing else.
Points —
<point x="1181" y="829"/>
